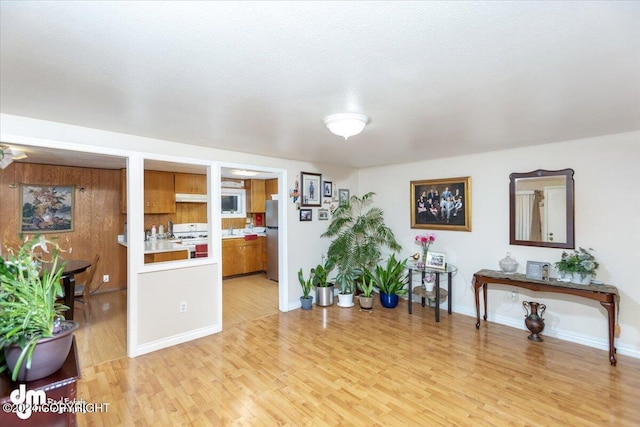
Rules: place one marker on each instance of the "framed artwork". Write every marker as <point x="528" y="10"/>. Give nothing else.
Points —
<point x="343" y="197"/>
<point x="327" y="189"/>
<point x="46" y="208"/>
<point x="305" y="214"/>
<point x="538" y="270"/>
<point x="311" y="190"/>
<point x="323" y="214"/>
<point x="435" y="260"/>
<point x="441" y="204"/>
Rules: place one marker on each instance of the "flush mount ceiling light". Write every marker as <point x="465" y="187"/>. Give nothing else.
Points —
<point x="244" y="172"/>
<point x="8" y="155"/>
<point x="346" y="124"/>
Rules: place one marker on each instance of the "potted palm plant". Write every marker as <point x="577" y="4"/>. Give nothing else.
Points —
<point x="306" y="300"/>
<point x="34" y="337"/>
<point x="320" y="281"/>
<point x="391" y="281"/>
<point x="359" y="234"/>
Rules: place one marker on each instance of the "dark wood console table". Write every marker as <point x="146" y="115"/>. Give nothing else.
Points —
<point x="607" y="295"/>
<point x="59" y="385"/>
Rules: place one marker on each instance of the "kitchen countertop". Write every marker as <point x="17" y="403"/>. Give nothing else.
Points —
<point x="242" y="236"/>
<point x="157" y="245"/>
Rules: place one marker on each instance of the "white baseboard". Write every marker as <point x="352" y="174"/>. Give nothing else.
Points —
<point x="174" y="340"/>
<point x="589" y="341"/>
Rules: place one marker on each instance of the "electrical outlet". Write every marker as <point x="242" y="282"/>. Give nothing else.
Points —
<point x="105" y="278"/>
<point x="183" y="306"/>
<point x="514" y="296"/>
<point x="105" y="306"/>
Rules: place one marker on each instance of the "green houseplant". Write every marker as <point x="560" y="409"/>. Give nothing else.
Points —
<point x="33" y="332"/>
<point x="366" y="287"/>
<point x="306" y="300"/>
<point x="578" y="266"/>
<point x="391" y="281"/>
<point x="320" y="281"/>
<point x="359" y="234"/>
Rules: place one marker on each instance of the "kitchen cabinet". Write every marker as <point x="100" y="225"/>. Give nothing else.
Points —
<point x="270" y="187"/>
<point x="159" y="192"/>
<point x="263" y="248"/>
<point x="188" y="183"/>
<point x="240" y="256"/>
<point x="255" y="195"/>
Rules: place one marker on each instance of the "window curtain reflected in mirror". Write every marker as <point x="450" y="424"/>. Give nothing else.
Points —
<point x="528" y="226"/>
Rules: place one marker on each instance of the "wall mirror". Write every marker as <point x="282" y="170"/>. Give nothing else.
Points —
<point x="541" y="209"/>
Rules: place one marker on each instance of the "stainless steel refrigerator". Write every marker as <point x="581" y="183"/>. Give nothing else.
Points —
<point x="271" y="217"/>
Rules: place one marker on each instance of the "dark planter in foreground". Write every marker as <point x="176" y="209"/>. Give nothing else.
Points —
<point x="48" y="356"/>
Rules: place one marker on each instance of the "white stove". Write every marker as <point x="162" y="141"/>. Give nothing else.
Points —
<point x="191" y="235"/>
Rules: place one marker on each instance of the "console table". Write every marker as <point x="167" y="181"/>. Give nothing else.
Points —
<point x="436" y="289"/>
<point x="607" y="295"/>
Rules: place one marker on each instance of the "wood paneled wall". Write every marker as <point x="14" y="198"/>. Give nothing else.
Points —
<point x="97" y="218"/>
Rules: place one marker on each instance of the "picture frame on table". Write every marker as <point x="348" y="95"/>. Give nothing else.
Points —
<point x="436" y="260"/>
<point x="46" y="208"/>
<point x="441" y="204"/>
<point x="327" y="189"/>
<point x="306" y="214"/>
<point x="311" y="189"/>
<point x="343" y="196"/>
<point x="537" y="270"/>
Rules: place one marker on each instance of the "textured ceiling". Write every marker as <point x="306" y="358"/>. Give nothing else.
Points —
<point x="436" y="78"/>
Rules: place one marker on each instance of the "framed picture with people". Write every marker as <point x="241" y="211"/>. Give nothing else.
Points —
<point x="311" y="191"/>
<point x="441" y="204"/>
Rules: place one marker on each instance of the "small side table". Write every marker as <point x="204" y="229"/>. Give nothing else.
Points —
<point x="449" y="271"/>
<point x="59" y="385"/>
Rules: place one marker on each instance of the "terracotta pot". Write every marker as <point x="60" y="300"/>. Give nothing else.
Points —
<point x="48" y="356"/>
<point x="366" y="303"/>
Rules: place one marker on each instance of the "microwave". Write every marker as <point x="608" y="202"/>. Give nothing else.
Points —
<point x="233" y="203"/>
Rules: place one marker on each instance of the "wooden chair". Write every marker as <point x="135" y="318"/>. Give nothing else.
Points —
<point x="83" y="290"/>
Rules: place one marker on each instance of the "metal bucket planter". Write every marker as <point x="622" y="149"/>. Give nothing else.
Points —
<point x="324" y="295"/>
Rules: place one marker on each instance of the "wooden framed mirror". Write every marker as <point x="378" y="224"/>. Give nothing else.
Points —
<point x="541" y="209"/>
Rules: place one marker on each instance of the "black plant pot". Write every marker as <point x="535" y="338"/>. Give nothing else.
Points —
<point x="48" y="356"/>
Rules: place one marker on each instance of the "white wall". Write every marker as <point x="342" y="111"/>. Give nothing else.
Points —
<point x="607" y="209"/>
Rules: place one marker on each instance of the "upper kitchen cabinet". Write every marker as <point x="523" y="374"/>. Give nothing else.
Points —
<point x="270" y="187"/>
<point x="187" y="183"/>
<point x="255" y="195"/>
<point x="159" y="192"/>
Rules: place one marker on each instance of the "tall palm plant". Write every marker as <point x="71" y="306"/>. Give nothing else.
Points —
<point x="359" y="234"/>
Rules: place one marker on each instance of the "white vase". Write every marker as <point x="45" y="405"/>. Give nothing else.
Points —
<point x="345" y="300"/>
<point x="578" y="279"/>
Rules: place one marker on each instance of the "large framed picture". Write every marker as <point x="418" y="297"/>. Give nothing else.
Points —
<point x="441" y="204"/>
<point x="311" y="191"/>
<point x="46" y="208"/>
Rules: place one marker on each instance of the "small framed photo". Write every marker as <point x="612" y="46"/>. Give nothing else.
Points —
<point x="435" y="260"/>
<point x="343" y="197"/>
<point x="323" y="214"/>
<point x="311" y="190"/>
<point x="327" y="189"/>
<point x="305" y="214"/>
<point x="538" y="270"/>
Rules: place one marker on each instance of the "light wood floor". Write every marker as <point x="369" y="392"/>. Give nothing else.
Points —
<point x="343" y="367"/>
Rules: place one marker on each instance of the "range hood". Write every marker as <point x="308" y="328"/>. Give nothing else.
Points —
<point x="191" y="198"/>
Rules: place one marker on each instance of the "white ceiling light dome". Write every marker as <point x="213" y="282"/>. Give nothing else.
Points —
<point x="346" y="124"/>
